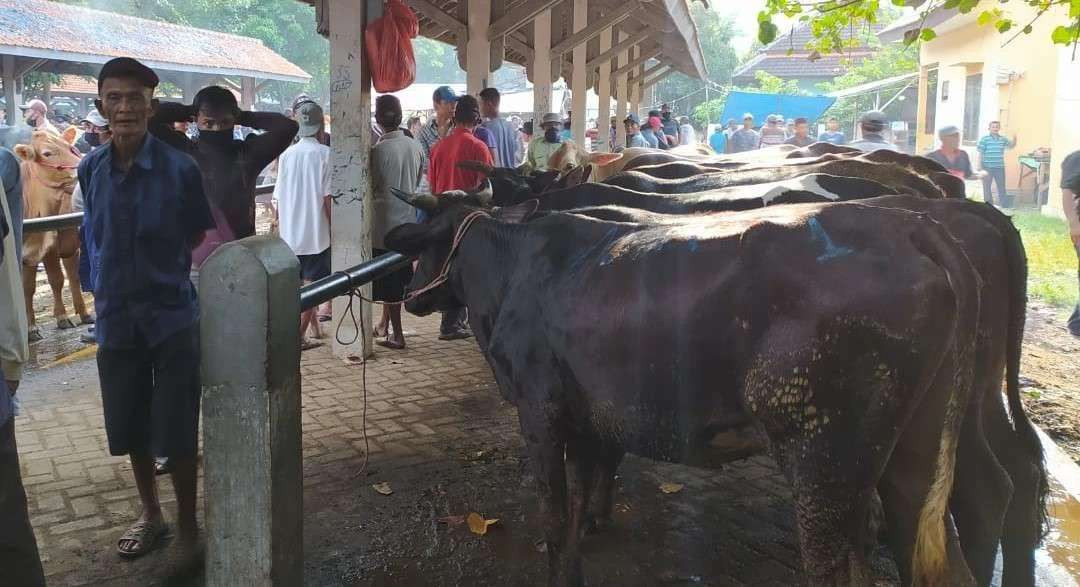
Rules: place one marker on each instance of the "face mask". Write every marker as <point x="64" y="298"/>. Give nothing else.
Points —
<point x="216" y="137"/>
<point x="551" y="135"/>
<point x="92" y="138"/>
<point x="32" y="122"/>
<point x="667" y="116"/>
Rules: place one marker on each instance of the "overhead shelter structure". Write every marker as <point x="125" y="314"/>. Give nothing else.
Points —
<point x="617" y="47"/>
<point x="39" y="35"/>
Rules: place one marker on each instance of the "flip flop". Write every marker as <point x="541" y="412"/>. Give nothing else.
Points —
<point x="391" y="344"/>
<point x="307" y="345"/>
<point x="145" y="534"/>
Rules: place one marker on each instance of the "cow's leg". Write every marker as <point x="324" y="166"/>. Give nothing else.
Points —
<point x="71" y="268"/>
<point x="581" y="453"/>
<point x="29" y="279"/>
<point x="546" y="448"/>
<point x="602" y="493"/>
<point x="1022" y="529"/>
<point x="56" y="282"/>
<point x="981" y="494"/>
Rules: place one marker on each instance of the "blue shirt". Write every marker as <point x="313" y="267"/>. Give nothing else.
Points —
<point x="505" y="142"/>
<point x="718" y="141"/>
<point x="992" y="148"/>
<point x="650" y="137"/>
<point x="636" y="140"/>
<point x="836" y="138"/>
<point x="140" y="226"/>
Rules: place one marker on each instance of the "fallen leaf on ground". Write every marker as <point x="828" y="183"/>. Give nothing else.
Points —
<point x="452" y="520"/>
<point x="671" y="487"/>
<point x="382" y="488"/>
<point x="479" y="524"/>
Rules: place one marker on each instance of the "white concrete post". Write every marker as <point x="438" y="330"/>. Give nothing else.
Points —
<point x="11" y="96"/>
<point x="478" y="48"/>
<point x="253" y="471"/>
<point x="578" y="78"/>
<point x="635" y="88"/>
<point x="604" y="85"/>
<point x="541" y="68"/>
<point x="350" y="111"/>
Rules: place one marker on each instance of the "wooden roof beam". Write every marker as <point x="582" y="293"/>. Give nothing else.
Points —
<point x="518" y="17"/>
<point x="594" y="28"/>
<point x="619" y="47"/>
<point x="437" y="15"/>
<point x="519" y="46"/>
<point x="646" y="54"/>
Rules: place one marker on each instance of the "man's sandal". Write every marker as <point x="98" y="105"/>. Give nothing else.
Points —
<point x="145" y="534"/>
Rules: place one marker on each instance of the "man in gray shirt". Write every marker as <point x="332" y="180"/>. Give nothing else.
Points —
<point x="746" y="138"/>
<point x="873" y="125"/>
<point x="506" y="143"/>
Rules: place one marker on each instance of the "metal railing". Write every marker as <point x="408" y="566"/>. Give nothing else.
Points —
<point x="342" y="282"/>
<point x="74" y="219"/>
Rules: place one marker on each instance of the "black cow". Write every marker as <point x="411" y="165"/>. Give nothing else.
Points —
<point x="844" y="332"/>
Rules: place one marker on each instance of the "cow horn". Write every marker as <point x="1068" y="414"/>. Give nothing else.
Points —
<point x="477" y="166"/>
<point x="485" y="192"/>
<point x="426" y="202"/>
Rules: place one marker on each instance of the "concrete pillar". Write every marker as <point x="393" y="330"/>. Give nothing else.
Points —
<point x="622" y="96"/>
<point x="247" y="93"/>
<point x="253" y="471"/>
<point x="541" y="68"/>
<point x="603" y="115"/>
<point x="11" y="96"/>
<point x="578" y="78"/>
<point x="478" y="48"/>
<point x="350" y="184"/>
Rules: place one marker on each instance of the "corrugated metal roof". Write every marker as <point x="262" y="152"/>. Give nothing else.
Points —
<point x="43" y="29"/>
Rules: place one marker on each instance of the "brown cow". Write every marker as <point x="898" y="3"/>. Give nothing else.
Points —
<point x="48" y="178"/>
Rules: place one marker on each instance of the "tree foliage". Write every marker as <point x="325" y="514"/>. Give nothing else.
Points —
<point x="715" y="33"/>
<point x="889" y="61"/>
<point x="830" y="20"/>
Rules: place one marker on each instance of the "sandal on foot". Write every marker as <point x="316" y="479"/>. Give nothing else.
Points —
<point x="391" y="344"/>
<point x="307" y="345"/>
<point x="145" y="534"/>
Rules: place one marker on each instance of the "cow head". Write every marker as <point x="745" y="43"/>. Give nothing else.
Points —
<point x="510" y="186"/>
<point x="570" y="155"/>
<point x="433" y="242"/>
<point x="49" y="160"/>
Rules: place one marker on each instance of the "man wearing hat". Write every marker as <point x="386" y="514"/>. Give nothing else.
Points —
<point x="544" y="146"/>
<point x="746" y="138"/>
<point x="772" y="133"/>
<point x="873" y="125"/>
<point x="146" y="203"/>
<point x="95" y="132"/>
<point x="954" y="159"/>
<point x="35" y="114"/>
<point x="633" y="132"/>
<point x="443" y="101"/>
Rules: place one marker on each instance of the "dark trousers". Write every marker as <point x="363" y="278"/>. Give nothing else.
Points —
<point x="1074" y="320"/>
<point x="453" y="320"/>
<point x="995" y="175"/>
<point x="19" y="560"/>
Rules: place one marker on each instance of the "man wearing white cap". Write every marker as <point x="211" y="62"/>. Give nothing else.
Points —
<point x="34" y="113"/>
<point x="95" y="132"/>
<point x="542" y="147"/>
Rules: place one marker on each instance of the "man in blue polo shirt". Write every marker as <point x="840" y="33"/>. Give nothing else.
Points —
<point x="146" y="209"/>
<point x="992" y="160"/>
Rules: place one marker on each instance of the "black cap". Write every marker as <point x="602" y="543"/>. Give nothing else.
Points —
<point x="130" y="68"/>
<point x="874" y="117"/>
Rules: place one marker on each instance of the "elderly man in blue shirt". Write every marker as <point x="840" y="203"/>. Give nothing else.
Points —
<point x="146" y="210"/>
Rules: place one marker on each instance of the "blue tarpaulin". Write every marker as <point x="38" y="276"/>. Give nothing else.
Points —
<point x="762" y="105"/>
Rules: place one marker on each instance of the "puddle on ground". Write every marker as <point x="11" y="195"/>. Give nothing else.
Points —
<point x="57" y="345"/>
<point x="1061" y="550"/>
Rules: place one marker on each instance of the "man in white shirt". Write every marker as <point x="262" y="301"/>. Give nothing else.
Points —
<point x="302" y="206"/>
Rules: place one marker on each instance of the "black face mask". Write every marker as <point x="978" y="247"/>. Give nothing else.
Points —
<point x="551" y="135"/>
<point x="92" y="138"/>
<point x="667" y="116"/>
<point x="32" y="122"/>
<point x="216" y="137"/>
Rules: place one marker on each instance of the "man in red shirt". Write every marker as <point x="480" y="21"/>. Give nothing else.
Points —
<point x="460" y="145"/>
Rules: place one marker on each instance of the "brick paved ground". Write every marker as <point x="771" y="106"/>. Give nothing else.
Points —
<point x="448" y="445"/>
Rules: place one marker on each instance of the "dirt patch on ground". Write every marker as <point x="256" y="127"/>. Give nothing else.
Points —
<point x="1050" y="376"/>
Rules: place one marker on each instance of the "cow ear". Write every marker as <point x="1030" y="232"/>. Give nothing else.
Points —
<point x="519" y="213"/>
<point x="477" y="166"/>
<point x="69" y="135"/>
<point x="604" y="158"/>
<point x="426" y="202"/>
<point x="25" y="152"/>
<point x="408" y="239"/>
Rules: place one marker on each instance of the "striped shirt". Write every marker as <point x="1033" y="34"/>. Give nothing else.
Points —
<point x="992" y="148"/>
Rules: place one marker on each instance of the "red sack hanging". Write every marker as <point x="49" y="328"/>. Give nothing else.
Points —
<point x="388" y="41"/>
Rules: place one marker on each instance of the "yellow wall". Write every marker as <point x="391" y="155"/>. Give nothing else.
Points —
<point x="1065" y="137"/>
<point x="1025" y="106"/>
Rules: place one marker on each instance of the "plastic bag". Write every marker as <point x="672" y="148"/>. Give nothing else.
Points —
<point x="388" y="41"/>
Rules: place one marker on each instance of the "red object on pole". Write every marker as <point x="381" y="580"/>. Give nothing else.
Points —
<point x="388" y="41"/>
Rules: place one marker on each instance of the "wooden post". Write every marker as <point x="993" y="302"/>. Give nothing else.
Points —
<point x="604" y="85"/>
<point x="635" y="88"/>
<point x="478" y="49"/>
<point x="350" y="111"/>
<point x="622" y="97"/>
<point x="578" y="80"/>
<point x="247" y="93"/>
<point x="541" y="68"/>
<point x="11" y="96"/>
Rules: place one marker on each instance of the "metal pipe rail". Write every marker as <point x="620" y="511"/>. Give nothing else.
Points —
<point x="342" y="282"/>
<point x="74" y="219"/>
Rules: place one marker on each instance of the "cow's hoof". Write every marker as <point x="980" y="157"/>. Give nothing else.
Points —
<point x="34" y="335"/>
<point x="598" y="524"/>
<point x="87" y="319"/>
<point x="65" y="323"/>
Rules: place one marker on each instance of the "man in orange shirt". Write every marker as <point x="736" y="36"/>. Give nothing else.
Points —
<point x="444" y="175"/>
<point x="460" y="145"/>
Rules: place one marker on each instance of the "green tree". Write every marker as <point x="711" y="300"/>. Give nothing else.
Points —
<point x="831" y="19"/>
<point x="436" y="62"/>
<point x="889" y="61"/>
<point x="768" y="83"/>
<point x="715" y="34"/>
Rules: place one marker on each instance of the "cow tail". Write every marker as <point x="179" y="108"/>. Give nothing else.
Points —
<point x="929" y="560"/>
